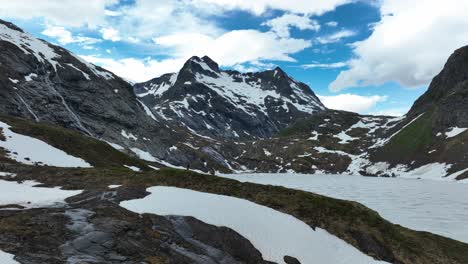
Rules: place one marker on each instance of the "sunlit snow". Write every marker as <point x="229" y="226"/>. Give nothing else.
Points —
<point x="273" y="233"/>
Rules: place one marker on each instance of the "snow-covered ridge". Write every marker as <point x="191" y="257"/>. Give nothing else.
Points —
<point x="246" y="91"/>
<point x="44" y="52"/>
<point x="30" y="45"/>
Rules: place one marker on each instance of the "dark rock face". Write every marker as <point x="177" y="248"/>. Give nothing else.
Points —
<point x="228" y="104"/>
<point x="425" y="134"/>
<point x="291" y="260"/>
<point x="449" y="90"/>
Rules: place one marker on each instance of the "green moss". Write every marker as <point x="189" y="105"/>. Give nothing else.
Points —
<point x="413" y="139"/>
<point x="298" y="128"/>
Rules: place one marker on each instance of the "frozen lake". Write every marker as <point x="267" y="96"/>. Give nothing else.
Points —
<point x="436" y="206"/>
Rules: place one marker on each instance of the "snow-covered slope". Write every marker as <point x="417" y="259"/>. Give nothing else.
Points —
<point x="228" y="104"/>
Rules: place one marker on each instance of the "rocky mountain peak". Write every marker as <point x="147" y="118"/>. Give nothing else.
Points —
<point x="11" y="26"/>
<point x="450" y="82"/>
<point x="203" y="66"/>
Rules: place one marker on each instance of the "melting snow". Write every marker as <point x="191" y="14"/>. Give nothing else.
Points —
<point x="455" y="131"/>
<point x="28" y="150"/>
<point x="344" y="138"/>
<point x="273" y="233"/>
<point x="29" y="77"/>
<point x="133" y="168"/>
<point x="128" y="135"/>
<point x="29" y="196"/>
<point x="13" y="80"/>
<point x="7" y="174"/>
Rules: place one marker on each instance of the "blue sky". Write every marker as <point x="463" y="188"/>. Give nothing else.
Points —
<point x="367" y="56"/>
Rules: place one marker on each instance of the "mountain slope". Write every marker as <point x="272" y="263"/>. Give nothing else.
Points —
<point x="46" y="83"/>
<point x="435" y="130"/>
<point x="228" y="104"/>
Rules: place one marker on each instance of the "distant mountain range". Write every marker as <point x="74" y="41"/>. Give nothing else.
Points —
<point x="209" y="119"/>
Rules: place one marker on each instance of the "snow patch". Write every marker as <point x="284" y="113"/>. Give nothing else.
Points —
<point x="27" y="195"/>
<point x="455" y="131"/>
<point x="29" y="77"/>
<point x="128" y="135"/>
<point x="273" y="233"/>
<point x="6" y="258"/>
<point x="133" y="168"/>
<point x="28" y="150"/>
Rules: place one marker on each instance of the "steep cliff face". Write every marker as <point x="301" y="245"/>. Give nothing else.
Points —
<point x="434" y="132"/>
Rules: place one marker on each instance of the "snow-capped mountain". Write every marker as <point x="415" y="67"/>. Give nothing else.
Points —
<point x="213" y="119"/>
<point x="228" y="104"/>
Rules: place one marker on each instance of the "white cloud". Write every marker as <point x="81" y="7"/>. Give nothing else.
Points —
<point x="58" y="12"/>
<point x="352" y="102"/>
<point x="64" y="36"/>
<point x="333" y="65"/>
<point x="259" y="7"/>
<point x="336" y="37"/>
<point x="234" y="47"/>
<point x="409" y="45"/>
<point x="282" y="25"/>
<point x="137" y="70"/>
<point x="110" y="34"/>
<point x="400" y="111"/>
<point x="332" y="24"/>
<point x="146" y="19"/>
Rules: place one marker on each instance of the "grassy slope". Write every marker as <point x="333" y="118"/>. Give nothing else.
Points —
<point x="413" y="139"/>
<point x="97" y="153"/>
<point x="351" y="221"/>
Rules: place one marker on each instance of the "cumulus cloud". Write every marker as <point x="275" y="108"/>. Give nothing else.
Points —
<point x="352" y="102"/>
<point x="234" y="47"/>
<point x="409" y="45"/>
<point x="282" y="25"/>
<point x="332" y="24"/>
<point x="110" y="34"/>
<point x="336" y="37"/>
<point x="64" y="36"/>
<point x="58" y="12"/>
<point x="259" y="7"/>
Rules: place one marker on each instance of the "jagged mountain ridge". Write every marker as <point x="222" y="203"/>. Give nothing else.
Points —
<point x="228" y="104"/>
<point x="229" y="121"/>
